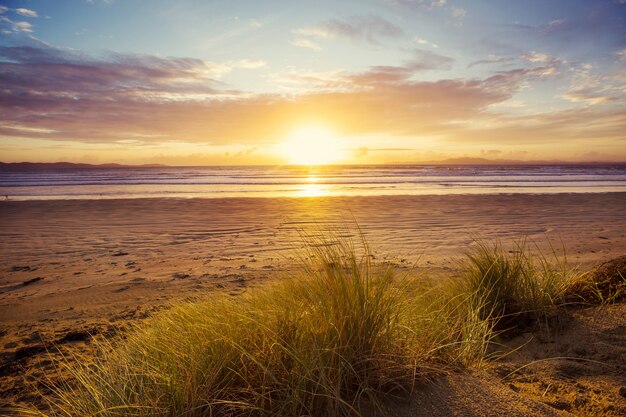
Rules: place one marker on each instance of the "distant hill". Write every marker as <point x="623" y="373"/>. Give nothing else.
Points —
<point x="484" y="161"/>
<point x="450" y="161"/>
<point x="66" y="165"/>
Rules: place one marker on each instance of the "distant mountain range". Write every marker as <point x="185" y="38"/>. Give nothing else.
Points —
<point x="484" y="161"/>
<point x="66" y="165"/>
<point x="450" y="161"/>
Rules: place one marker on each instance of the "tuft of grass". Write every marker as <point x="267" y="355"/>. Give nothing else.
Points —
<point x="606" y="284"/>
<point x="323" y="343"/>
<point x="515" y="288"/>
<point x="338" y="338"/>
<point x="447" y="324"/>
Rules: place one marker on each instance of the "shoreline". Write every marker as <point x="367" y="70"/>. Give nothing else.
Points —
<point x="333" y="196"/>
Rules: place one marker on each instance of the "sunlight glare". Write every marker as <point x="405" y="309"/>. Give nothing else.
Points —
<point x="311" y="145"/>
<point x="312" y="190"/>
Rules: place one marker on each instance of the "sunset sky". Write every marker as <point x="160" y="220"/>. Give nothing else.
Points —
<point x="252" y="82"/>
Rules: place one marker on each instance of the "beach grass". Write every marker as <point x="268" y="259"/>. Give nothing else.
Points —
<point x="603" y="285"/>
<point x="515" y="287"/>
<point x="341" y="337"/>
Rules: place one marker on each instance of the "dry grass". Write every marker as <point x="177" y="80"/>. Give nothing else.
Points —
<point x="516" y="288"/>
<point x="339" y="338"/>
<point x="604" y="285"/>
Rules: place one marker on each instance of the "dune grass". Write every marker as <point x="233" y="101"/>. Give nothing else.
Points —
<point x="515" y="287"/>
<point x="337" y="339"/>
<point x="603" y="285"/>
<point x="322" y="343"/>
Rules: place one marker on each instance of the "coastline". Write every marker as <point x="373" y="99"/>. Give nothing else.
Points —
<point x="298" y="181"/>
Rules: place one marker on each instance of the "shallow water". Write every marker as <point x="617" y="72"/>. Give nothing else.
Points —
<point x="292" y="181"/>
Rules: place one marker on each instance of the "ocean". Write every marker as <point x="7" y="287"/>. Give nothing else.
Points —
<point x="294" y="181"/>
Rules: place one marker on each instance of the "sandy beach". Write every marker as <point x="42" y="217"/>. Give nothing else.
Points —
<point x="326" y="209"/>
<point x="71" y="268"/>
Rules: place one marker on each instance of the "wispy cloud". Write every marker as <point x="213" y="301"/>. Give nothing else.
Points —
<point x="601" y="26"/>
<point x="541" y="58"/>
<point x="458" y="12"/>
<point x="553" y="26"/>
<point x="146" y="100"/>
<point x="370" y="29"/>
<point x="306" y="43"/>
<point x="586" y="126"/>
<point x="11" y="26"/>
<point x="249" y="63"/>
<point x="29" y="72"/>
<point x="424" y="4"/>
<point x="64" y="95"/>
<point x="421" y="41"/>
<point x="422" y="60"/>
<point x="492" y="59"/>
<point x="26" y="12"/>
<point x="8" y="26"/>
<point x="107" y="2"/>
<point x="589" y="96"/>
<point x="591" y="87"/>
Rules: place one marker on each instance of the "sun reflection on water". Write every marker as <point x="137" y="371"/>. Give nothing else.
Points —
<point x="312" y="188"/>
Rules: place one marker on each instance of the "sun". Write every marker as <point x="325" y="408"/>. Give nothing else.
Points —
<point x="311" y="145"/>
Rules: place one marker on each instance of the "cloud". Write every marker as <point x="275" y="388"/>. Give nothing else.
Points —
<point x="596" y="28"/>
<point x="84" y="99"/>
<point x="64" y="95"/>
<point x="249" y="64"/>
<point x="255" y="24"/>
<point x="77" y="97"/>
<point x="26" y="12"/>
<point x="22" y="27"/>
<point x="370" y="29"/>
<point x="553" y="26"/>
<point x="306" y="43"/>
<point x="458" y="13"/>
<point x="537" y="57"/>
<point x="28" y="72"/>
<point x="491" y="152"/>
<point x="492" y="59"/>
<point x="21" y="11"/>
<point x="433" y="6"/>
<point x="425" y="4"/>
<point x="426" y="60"/>
<point x="589" y="85"/>
<point x="422" y="60"/>
<point x="8" y="26"/>
<point x="586" y="127"/>
<point x="589" y="96"/>
<point x="421" y="41"/>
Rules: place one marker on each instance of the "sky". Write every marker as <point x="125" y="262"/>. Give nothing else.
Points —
<point x="267" y="82"/>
